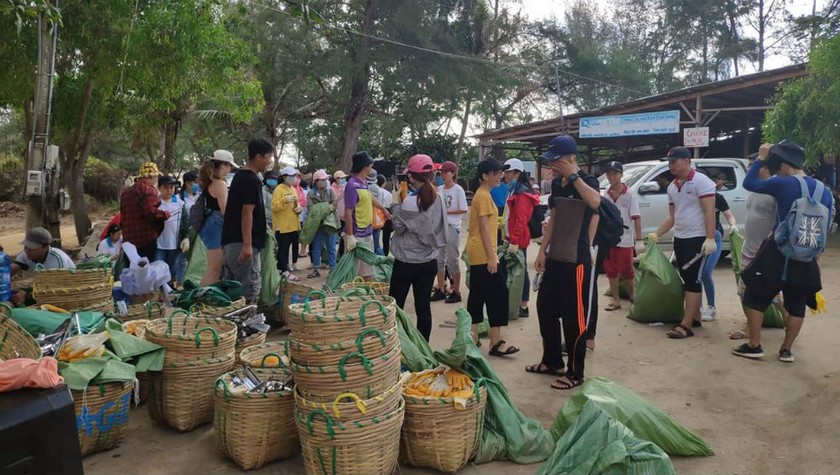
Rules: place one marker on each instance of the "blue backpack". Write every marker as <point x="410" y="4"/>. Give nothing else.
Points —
<point x="803" y="233"/>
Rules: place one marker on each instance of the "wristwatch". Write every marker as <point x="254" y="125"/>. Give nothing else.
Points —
<point x="573" y="177"/>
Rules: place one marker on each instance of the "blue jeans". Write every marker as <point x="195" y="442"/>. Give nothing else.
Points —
<point x="318" y="245"/>
<point x="169" y="256"/>
<point x="377" y="242"/>
<point x="708" y="268"/>
<point x="180" y="268"/>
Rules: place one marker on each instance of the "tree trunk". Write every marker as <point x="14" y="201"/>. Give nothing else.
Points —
<point x="761" y="26"/>
<point x="354" y="111"/>
<point x="170" y="134"/>
<point x="459" y="154"/>
<point x="76" y="188"/>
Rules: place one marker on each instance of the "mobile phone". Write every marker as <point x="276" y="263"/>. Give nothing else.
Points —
<point x="402" y="178"/>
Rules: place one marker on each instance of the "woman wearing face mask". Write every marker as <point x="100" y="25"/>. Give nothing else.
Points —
<point x="419" y="236"/>
<point x="269" y="184"/>
<point x="190" y="190"/>
<point x="322" y="192"/>
<point x="339" y="182"/>
<point x="286" y="220"/>
<point x="301" y="193"/>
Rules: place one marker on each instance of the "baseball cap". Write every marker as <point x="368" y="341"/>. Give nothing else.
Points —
<point x="224" y="156"/>
<point x="488" y="165"/>
<point x="677" y="153"/>
<point x="420" y="164"/>
<point x="560" y="146"/>
<point x="320" y="175"/>
<point x="288" y="171"/>
<point x="272" y="174"/>
<point x="515" y="164"/>
<point x="615" y="165"/>
<point x="449" y="167"/>
<point x="339" y="174"/>
<point x="37" y="237"/>
<point x="190" y="176"/>
<point x="167" y="180"/>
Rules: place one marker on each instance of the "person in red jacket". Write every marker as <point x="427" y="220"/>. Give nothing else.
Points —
<point x="521" y="203"/>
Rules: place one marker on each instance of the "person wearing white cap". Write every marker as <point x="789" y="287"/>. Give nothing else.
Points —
<point x="321" y="192"/>
<point x="286" y="220"/>
<point x="521" y="204"/>
<point x="211" y="176"/>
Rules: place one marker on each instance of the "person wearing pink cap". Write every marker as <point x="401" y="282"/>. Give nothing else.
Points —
<point x="455" y="200"/>
<point x="419" y="238"/>
<point x="322" y="192"/>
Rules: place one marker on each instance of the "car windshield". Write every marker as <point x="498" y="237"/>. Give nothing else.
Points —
<point x="632" y="174"/>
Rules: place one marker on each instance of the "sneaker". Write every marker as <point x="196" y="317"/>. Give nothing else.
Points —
<point x="453" y="297"/>
<point x="313" y="274"/>
<point x="708" y="314"/>
<point x="747" y="351"/>
<point x="786" y="356"/>
<point x="438" y="295"/>
<point x="523" y="312"/>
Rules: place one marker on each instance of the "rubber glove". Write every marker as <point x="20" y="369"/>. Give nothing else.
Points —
<point x="653" y="237"/>
<point x="709" y="247"/>
<point x="349" y="242"/>
<point x="821" y="307"/>
<point x="291" y="198"/>
<point x="185" y="245"/>
<point x="640" y="246"/>
<point x="512" y="248"/>
<point x="298" y="209"/>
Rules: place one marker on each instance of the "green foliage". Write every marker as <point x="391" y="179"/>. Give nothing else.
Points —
<point x="11" y="178"/>
<point x="103" y="181"/>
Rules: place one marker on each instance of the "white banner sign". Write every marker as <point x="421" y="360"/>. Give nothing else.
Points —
<point x="696" y="137"/>
<point x="649" y="123"/>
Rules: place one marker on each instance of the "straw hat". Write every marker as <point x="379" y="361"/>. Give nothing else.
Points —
<point x="149" y="169"/>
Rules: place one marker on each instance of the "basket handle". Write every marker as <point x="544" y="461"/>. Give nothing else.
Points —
<point x="312" y="292"/>
<point x="482" y="381"/>
<point x="172" y="317"/>
<point x="358" y="280"/>
<point x="225" y="391"/>
<point x="262" y="361"/>
<point x="356" y="292"/>
<point x="360" y="405"/>
<point x="364" y="307"/>
<point x="327" y="419"/>
<point x="198" y="336"/>
<point x="365" y="363"/>
<point x="364" y="333"/>
<point x="196" y="307"/>
<point x="156" y="305"/>
<point x="7" y="307"/>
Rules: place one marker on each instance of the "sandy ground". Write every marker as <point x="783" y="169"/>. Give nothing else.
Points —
<point x="759" y="416"/>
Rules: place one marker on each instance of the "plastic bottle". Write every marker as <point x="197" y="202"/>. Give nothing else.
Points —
<point x="5" y="277"/>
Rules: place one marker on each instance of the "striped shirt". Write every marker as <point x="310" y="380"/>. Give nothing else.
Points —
<point x="55" y="259"/>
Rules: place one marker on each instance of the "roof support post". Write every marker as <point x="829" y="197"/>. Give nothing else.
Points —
<point x="698" y="120"/>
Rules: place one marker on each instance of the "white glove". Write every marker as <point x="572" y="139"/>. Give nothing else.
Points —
<point x="709" y="247"/>
<point x="512" y="248"/>
<point x="349" y="243"/>
<point x="653" y="237"/>
<point x="291" y="198"/>
<point x="298" y="210"/>
<point x="640" y="247"/>
<point x="593" y="253"/>
<point x="185" y="245"/>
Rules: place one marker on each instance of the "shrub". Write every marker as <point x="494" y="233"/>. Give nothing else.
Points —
<point x="11" y="178"/>
<point x="103" y="181"/>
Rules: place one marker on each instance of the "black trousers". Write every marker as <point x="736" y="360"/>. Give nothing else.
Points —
<point x="386" y="237"/>
<point x="565" y="297"/>
<point x="491" y="290"/>
<point x="286" y="242"/>
<point x="421" y="278"/>
<point x="341" y="240"/>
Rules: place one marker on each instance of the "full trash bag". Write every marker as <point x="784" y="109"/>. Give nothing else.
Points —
<point x="515" y="279"/>
<point x="269" y="275"/>
<point x="345" y="270"/>
<point x="597" y="444"/>
<point x="772" y="316"/>
<point x="647" y="421"/>
<point x="508" y="434"/>
<point x="314" y="220"/>
<point x="416" y="353"/>
<point x="659" y="290"/>
<point x="196" y="260"/>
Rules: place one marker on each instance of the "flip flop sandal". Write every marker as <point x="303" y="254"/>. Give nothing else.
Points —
<point x="494" y="351"/>
<point x="675" y="335"/>
<point x="570" y="383"/>
<point x="541" y="368"/>
<point x="612" y="307"/>
<point x="737" y="335"/>
<point x="448" y="324"/>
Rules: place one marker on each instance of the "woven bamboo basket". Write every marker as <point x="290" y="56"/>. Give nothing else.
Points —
<point x="376" y="288"/>
<point x="255" y="355"/>
<point x="254" y="429"/>
<point x="331" y="319"/>
<point x="192" y="338"/>
<point x="248" y="342"/>
<point x="202" y="310"/>
<point x="72" y="278"/>
<point x="437" y="435"/>
<point x="75" y="298"/>
<point x="371" y="343"/>
<point x="362" y="447"/>
<point x="102" y="415"/>
<point x="355" y="373"/>
<point x="291" y="293"/>
<point x="106" y="306"/>
<point x="349" y="407"/>
<point x="140" y="299"/>
<point x="147" y="311"/>
<point x="15" y="342"/>
<point x="181" y="396"/>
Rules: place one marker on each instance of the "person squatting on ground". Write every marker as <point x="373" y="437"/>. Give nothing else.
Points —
<point x="358" y="211"/>
<point x="168" y="243"/>
<point x="691" y="213"/>
<point x="37" y="250"/>
<point x="709" y="313"/>
<point x="619" y="261"/>
<point x="455" y="200"/>
<point x="487" y="278"/>
<point x="211" y="176"/>
<point x="521" y="203"/>
<point x="321" y="192"/>
<point x="244" y="231"/>
<point x="566" y="260"/>
<point x="419" y="239"/>
<point x="772" y="271"/>
<point x="141" y="218"/>
<point x="286" y="211"/>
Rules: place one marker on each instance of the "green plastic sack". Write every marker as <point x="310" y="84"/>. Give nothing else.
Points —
<point x="772" y="316"/>
<point x="345" y="270"/>
<point x="508" y="434"/>
<point x="92" y="371"/>
<point x="515" y="269"/>
<point x="416" y="353"/>
<point x="269" y="275"/>
<point x="659" y="290"/>
<point x="597" y="444"/>
<point x="196" y="260"/>
<point x="647" y="421"/>
<point x="143" y="355"/>
<point x="317" y="213"/>
<point x="37" y="321"/>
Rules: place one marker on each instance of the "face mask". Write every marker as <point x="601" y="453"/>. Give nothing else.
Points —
<point x="196" y="188"/>
<point x="342" y="181"/>
<point x="438" y="180"/>
<point x="271" y="182"/>
<point x="289" y="180"/>
<point x="512" y="183"/>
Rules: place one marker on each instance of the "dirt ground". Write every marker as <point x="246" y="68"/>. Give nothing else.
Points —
<point x="763" y="417"/>
<point x="13" y="223"/>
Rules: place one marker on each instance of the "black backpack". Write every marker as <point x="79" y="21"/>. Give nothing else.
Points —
<point x="610" y="226"/>
<point x="198" y="212"/>
<point x="535" y="222"/>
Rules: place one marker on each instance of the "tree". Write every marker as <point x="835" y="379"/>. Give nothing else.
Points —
<point x="766" y="18"/>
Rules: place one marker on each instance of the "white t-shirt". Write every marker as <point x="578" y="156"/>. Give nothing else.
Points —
<point x="168" y="239"/>
<point x="108" y="247"/>
<point x="688" y="212"/>
<point x="56" y="259"/>
<point x="627" y="203"/>
<point x="455" y="200"/>
<point x="387" y="198"/>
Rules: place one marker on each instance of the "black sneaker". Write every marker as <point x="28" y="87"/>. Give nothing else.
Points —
<point x="437" y="295"/>
<point x="523" y="312"/>
<point x="747" y="351"/>
<point x="454" y="297"/>
<point x="786" y="356"/>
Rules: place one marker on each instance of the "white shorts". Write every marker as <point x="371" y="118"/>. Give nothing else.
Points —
<point x="450" y="256"/>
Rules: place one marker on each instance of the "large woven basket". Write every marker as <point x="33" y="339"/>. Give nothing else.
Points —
<point x="376" y="288"/>
<point x="181" y="396"/>
<point x="355" y="373"/>
<point x="71" y="278"/>
<point x="372" y="343"/>
<point x="192" y="338"/>
<point x="437" y="435"/>
<point x="147" y="311"/>
<point x="362" y="447"/>
<point x="105" y="306"/>
<point x="248" y="342"/>
<point x="200" y="309"/>
<point x="102" y="415"/>
<point x="254" y="429"/>
<point x="291" y="293"/>
<point x="349" y="407"/>
<point x="15" y="342"/>
<point x="73" y="298"/>
<point x="331" y="320"/>
<point x="255" y="355"/>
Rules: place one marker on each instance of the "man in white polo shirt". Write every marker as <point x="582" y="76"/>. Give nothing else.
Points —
<point x="619" y="261"/>
<point x="691" y="199"/>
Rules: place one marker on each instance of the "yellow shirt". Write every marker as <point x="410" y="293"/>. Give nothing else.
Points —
<point x="482" y="205"/>
<point x="284" y="218"/>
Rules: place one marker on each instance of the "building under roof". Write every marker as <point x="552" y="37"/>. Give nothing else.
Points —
<point x="733" y="109"/>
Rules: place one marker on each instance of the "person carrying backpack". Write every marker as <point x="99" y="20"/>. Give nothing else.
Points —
<point x="519" y="208"/>
<point x="787" y="260"/>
